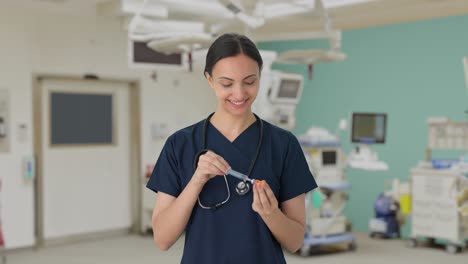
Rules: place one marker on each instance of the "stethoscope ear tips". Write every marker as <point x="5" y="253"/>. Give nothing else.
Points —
<point x="242" y="188"/>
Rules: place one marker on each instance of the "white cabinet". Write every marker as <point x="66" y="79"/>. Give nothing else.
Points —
<point x="434" y="205"/>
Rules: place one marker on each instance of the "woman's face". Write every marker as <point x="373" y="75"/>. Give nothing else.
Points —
<point x="235" y="81"/>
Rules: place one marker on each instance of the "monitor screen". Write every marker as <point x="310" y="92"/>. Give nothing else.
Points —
<point x="369" y="128"/>
<point x="140" y="56"/>
<point x="142" y="53"/>
<point x="289" y="88"/>
<point x="329" y="157"/>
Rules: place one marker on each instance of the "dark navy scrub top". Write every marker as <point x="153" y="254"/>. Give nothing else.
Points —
<point x="233" y="233"/>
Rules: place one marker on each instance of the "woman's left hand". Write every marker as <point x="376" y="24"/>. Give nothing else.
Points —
<point x="264" y="201"/>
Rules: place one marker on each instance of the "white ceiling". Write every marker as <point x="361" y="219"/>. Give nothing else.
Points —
<point x="370" y="14"/>
<point x="73" y="7"/>
<point x="367" y="14"/>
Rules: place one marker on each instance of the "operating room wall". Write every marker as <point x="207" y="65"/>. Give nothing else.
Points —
<point x="50" y="43"/>
<point x="411" y="71"/>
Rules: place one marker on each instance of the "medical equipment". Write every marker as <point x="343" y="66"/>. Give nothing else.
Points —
<point x="440" y="193"/>
<point x="278" y="97"/>
<point x="446" y="134"/>
<point x="435" y="212"/>
<point x="367" y="128"/>
<point x="217" y="205"/>
<point x="390" y="208"/>
<point x="251" y="21"/>
<point x="164" y="43"/>
<point x="385" y="224"/>
<point x="240" y="176"/>
<point x="326" y="224"/>
<point x="242" y="187"/>
<point x="312" y="56"/>
<point x="140" y="56"/>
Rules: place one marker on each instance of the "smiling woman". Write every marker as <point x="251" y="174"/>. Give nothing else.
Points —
<point x="233" y="71"/>
<point x="248" y="226"/>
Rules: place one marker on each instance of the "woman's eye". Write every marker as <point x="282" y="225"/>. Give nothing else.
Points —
<point x="226" y="85"/>
<point x="249" y="83"/>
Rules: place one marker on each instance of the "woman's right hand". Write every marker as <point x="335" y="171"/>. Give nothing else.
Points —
<point x="209" y="165"/>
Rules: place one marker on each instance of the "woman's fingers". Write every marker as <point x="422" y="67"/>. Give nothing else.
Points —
<point x="271" y="196"/>
<point x="209" y="168"/>
<point x="267" y="200"/>
<point x="257" y="205"/>
<point x="216" y="160"/>
<point x="262" y="196"/>
<point x="212" y="164"/>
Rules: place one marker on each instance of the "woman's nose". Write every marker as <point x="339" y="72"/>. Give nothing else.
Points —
<point x="238" y="92"/>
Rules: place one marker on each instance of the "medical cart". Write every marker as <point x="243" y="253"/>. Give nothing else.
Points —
<point x="325" y="222"/>
<point x="438" y="190"/>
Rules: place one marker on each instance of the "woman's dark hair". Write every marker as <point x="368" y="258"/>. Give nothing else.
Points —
<point x="229" y="45"/>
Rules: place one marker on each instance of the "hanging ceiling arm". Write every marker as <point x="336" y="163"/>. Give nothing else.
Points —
<point x="133" y="23"/>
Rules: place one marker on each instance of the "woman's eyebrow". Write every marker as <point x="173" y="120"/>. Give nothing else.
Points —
<point x="226" y="78"/>
<point x="229" y="79"/>
<point x="250" y="76"/>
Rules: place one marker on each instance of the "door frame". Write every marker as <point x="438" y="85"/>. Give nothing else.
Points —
<point x="135" y="157"/>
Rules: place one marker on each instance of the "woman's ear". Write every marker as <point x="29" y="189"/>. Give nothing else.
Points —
<point x="210" y="79"/>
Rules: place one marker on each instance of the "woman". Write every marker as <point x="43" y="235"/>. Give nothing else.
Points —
<point x="223" y="221"/>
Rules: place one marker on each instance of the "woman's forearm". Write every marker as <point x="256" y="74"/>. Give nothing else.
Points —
<point x="288" y="232"/>
<point x="171" y="217"/>
<point x="170" y="223"/>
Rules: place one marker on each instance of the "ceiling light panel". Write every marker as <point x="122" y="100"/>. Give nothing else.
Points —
<point x="339" y="3"/>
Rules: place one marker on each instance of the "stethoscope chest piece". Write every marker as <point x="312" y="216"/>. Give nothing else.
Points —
<point x="242" y="188"/>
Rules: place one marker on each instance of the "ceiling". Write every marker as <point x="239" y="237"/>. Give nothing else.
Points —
<point x="373" y="14"/>
<point x="69" y="7"/>
<point x="360" y="15"/>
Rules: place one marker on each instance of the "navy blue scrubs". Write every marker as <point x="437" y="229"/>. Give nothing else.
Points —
<point x="233" y="233"/>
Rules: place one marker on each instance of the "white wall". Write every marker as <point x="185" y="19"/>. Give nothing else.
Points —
<point x="54" y="44"/>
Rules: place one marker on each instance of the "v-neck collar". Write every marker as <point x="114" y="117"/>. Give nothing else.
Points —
<point x="238" y="153"/>
<point x="243" y="133"/>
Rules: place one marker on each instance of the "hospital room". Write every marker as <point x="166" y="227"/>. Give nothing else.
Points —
<point x="233" y="131"/>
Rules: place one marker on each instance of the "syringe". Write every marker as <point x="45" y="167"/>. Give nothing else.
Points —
<point x="239" y="175"/>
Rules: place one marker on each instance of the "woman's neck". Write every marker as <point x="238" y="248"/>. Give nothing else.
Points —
<point x="232" y="126"/>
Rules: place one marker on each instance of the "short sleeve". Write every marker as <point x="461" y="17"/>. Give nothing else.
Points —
<point x="296" y="177"/>
<point x="165" y="177"/>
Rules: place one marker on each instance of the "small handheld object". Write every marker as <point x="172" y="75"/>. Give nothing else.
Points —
<point x="239" y="175"/>
<point x="242" y="187"/>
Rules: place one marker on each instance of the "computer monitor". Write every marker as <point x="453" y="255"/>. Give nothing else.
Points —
<point x="140" y="56"/>
<point x="286" y="88"/>
<point x="369" y="128"/>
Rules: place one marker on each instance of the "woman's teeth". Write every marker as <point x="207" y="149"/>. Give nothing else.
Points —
<point x="238" y="102"/>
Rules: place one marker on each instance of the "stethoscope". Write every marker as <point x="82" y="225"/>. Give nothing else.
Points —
<point x="242" y="187"/>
